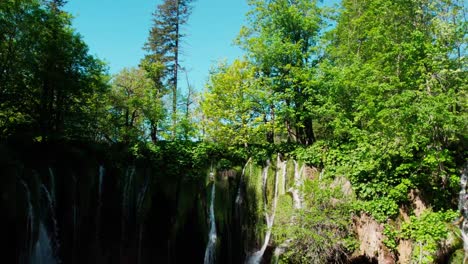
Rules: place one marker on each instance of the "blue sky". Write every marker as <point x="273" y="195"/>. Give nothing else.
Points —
<point x="116" y="30"/>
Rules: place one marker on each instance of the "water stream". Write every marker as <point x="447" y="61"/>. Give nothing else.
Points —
<point x="257" y="256"/>
<point x="295" y="190"/>
<point x="212" y="236"/>
<point x="43" y="251"/>
<point x="30" y="220"/>
<point x="241" y="180"/>
<point x="99" y="206"/>
<point x="53" y="218"/>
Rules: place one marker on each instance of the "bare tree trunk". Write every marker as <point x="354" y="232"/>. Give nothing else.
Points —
<point x="176" y="68"/>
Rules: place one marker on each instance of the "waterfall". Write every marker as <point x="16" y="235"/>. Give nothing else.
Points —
<point x="101" y="178"/>
<point x="211" y="246"/>
<point x="297" y="199"/>
<point x="142" y="194"/>
<point x="127" y="184"/>
<point x="140" y="202"/>
<point x="127" y="190"/>
<point x="52" y="186"/>
<point x="282" y="190"/>
<point x="256" y="257"/>
<point x="99" y="205"/>
<point x="52" y="217"/>
<point x="43" y="252"/>
<point x="463" y="207"/>
<point x="30" y="220"/>
<point x="241" y="179"/>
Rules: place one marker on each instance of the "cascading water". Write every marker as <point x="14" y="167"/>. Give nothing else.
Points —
<point x="279" y="250"/>
<point x="241" y="180"/>
<point x="99" y="206"/>
<point x="463" y="207"/>
<point x="140" y="202"/>
<point x="128" y="188"/>
<point x="43" y="251"/>
<point x="297" y="199"/>
<point x="30" y="220"/>
<point x="52" y="217"/>
<point x="212" y="236"/>
<point x="257" y="256"/>
<point x="101" y="179"/>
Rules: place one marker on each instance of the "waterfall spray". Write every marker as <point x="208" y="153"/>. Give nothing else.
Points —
<point x="127" y="190"/>
<point x="140" y="202"/>
<point x="43" y="252"/>
<point x="212" y="237"/>
<point x="52" y="216"/>
<point x="295" y="190"/>
<point x="256" y="257"/>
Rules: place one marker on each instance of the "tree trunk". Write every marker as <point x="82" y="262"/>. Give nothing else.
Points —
<point x="176" y="68"/>
<point x="309" y="132"/>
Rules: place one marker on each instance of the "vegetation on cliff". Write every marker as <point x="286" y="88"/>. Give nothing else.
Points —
<point x="373" y="93"/>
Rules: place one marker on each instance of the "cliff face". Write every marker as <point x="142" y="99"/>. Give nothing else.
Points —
<point x="78" y="203"/>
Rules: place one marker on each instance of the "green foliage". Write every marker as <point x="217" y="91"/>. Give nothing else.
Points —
<point x="320" y="232"/>
<point x="391" y="237"/>
<point x="49" y="85"/>
<point x="133" y="106"/>
<point x="426" y="231"/>
<point x="162" y="60"/>
<point x="234" y="106"/>
<point x="281" y="42"/>
<point x="380" y="208"/>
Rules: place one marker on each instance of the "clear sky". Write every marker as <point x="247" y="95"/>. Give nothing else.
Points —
<point x="116" y="30"/>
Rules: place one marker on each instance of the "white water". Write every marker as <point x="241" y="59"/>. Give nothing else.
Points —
<point x="283" y="165"/>
<point x="127" y="183"/>
<point x="295" y="190"/>
<point x="212" y="237"/>
<point x="257" y="256"/>
<point x="99" y="207"/>
<point x="52" y="217"/>
<point x="43" y="252"/>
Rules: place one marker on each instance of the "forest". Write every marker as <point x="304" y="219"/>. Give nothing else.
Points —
<point x="340" y="136"/>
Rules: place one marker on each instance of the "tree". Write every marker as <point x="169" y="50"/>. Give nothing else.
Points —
<point x="281" y="42"/>
<point x="235" y="106"/>
<point x="164" y="44"/>
<point x="49" y="82"/>
<point x="133" y="107"/>
<point x="393" y="83"/>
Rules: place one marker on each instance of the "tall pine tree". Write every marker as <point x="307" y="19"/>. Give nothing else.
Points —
<point x="163" y="46"/>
